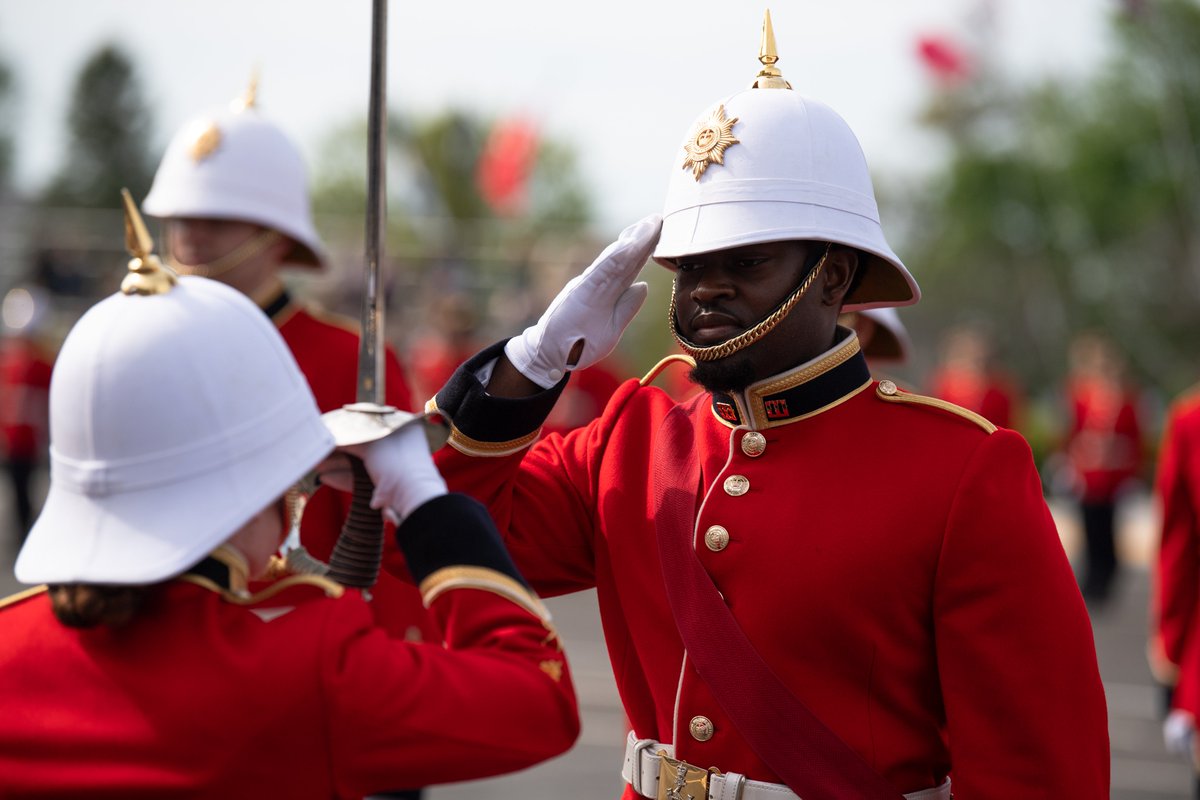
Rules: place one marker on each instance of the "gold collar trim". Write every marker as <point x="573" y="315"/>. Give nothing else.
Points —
<point x="805" y="391"/>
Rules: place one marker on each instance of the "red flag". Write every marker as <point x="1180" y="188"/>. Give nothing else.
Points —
<point x="943" y="57"/>
<point x="502" y="173"/>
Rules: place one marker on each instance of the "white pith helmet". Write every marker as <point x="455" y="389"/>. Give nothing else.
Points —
<point x="237" y="165"/>
<point x="767" y="164"/>
<point x="175" y="418"/>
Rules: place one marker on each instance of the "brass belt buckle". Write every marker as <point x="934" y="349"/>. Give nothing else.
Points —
<point x="679" y="780"/>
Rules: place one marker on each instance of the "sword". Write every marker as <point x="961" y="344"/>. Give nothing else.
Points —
<point x="356" y="556"/>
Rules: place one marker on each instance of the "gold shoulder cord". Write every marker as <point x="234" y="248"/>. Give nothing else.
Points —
<point x="888" y="391"/>
<point x="657" y="369"/>
<point x="331" y="588"/>
<point x="13" y="599"/>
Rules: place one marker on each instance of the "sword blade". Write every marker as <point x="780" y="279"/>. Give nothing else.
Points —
<point x="371" y="376"/>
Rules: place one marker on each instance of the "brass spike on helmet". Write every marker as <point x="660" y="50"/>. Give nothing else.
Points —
<point x="769" y="77"/>
<point x="147" y="275"/>
<point x="249" y="98"/>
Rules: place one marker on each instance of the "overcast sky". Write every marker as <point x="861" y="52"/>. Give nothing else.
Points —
<point x="622" y="80"/>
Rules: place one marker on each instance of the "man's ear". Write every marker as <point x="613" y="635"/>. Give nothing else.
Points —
<point x="840" y="267"/>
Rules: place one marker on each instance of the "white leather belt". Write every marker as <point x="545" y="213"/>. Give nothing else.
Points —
<point x="642" y="763"/>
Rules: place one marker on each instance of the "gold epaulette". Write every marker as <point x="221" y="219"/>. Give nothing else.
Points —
<point x="21" y="596"/>
<point x="485" y="579"/>
<point x="677" y="358"/>
<point x="334" y="319"/>
<point x="888" y="391"/>
<point x="330" y="588"/>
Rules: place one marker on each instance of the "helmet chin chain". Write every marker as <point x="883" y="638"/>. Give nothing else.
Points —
<point x="234" y="258"/>
<point x="748" y="337"/>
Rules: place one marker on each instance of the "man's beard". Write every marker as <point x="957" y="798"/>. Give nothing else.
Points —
<point x="730" y="374"/>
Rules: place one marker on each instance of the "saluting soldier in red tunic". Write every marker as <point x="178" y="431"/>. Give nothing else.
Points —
<point x="232" y="193"/>
<point x="811" y="584"/>
<point x="147" y="668"/>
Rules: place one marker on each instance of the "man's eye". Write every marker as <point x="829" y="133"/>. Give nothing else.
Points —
<point x="749" y="263"/>
<point x="687" y="266"/>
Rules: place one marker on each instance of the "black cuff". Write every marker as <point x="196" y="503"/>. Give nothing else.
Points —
<point x="452" y="530"/>
<point x="484" y="418"/>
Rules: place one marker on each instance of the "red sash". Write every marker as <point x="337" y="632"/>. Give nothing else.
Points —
<point x="806" y="755"/>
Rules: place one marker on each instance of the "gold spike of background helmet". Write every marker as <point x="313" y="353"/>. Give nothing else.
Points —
<point x="147" y="275"/>
<point x="769" y="77"/>
<point x="249" y="98"/>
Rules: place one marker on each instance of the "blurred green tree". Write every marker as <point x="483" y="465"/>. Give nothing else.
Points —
<point x="1070" y="206"/>
<point x="433" y="183"/>
<point x="445" y="231"/>
<point x="109" y="129"/>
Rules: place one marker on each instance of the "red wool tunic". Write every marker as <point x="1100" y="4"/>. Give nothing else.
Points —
<point x="894" y="563"/>
<point x="1175" y="643"/>
<point x="296" y="693"/>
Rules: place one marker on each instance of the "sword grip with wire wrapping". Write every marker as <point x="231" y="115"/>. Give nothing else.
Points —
<point x="359" y="550"/>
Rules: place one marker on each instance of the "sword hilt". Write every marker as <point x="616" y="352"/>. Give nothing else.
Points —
<point x="356" y="557"/>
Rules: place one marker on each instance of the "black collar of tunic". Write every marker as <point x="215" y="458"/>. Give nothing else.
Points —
<point x="802" y="392"/>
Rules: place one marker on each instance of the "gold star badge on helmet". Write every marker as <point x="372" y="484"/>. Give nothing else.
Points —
<point x="206" y="143"/>
<point x="708" y="142"/>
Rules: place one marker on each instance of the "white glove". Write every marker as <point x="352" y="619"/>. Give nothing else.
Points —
<point x="1179" y="730"/>
<point x="595" y="307"/>
<point x="403" y="471"/>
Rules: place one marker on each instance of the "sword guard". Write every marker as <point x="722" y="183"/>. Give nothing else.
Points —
<point x="360" y="423"/>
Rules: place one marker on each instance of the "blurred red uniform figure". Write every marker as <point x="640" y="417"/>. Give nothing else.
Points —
<point x="218" y="223"/>
<point x="25" y="367"/>
<point x="451" y="338"/>
<point x="1174" y="642"/>
<point x="1104" y="452"/>
<point x="967" y="376"/>
<point x="1175" y="603"/>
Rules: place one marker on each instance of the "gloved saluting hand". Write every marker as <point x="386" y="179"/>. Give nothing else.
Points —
<point x="594" y="307"/>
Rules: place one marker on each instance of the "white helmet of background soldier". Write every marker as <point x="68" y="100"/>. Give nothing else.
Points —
<point x="767" y="164"/>
<point x="237" y="165"/>
<point x="177" y="414"/>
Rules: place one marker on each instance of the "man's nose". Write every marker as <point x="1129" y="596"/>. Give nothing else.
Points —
<point x="710" y="287"/>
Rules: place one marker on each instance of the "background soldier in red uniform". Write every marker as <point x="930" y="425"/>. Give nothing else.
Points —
<point x="25" y="365"/>
<point x="785" y="617"/>
<point x="968" y="376"/>
<point x="1174" y="647"/>
<point x="232" y="193"/>
<point x="147" y="668"/>
<point x="1104" y="453"/>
